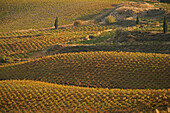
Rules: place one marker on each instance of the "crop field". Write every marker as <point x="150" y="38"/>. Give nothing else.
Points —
<point x="104" y="56"/>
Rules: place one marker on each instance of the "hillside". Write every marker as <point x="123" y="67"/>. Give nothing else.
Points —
<point x="34" y="14"/>
<point x="105" y="56"/>
<point x="23" y="44"/>
<point x="31" y="96"/>
<point x="96" y="69"/>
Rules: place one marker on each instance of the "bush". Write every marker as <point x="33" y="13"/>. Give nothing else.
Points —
<point x="110" y="20"/>
<point x="78" y="23"/>
<point x="91" y="36"/>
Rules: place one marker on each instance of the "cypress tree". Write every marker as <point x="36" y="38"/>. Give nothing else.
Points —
<point x="165" y="25"/>
<point x="137" y="20"/>
<point x="56" y="23"/>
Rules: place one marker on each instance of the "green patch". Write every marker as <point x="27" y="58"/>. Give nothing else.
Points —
<point x="97" y="39"/>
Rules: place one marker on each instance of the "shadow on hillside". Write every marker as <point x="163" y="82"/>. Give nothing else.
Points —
<point x="140" y="36"/>
<point x="125" y="23"/>
<point x="164" y="49"/>
<point x="157" y="14"/>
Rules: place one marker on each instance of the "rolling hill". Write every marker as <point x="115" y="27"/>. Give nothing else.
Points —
<point x="96" y="69"/>
<point x="33" y="96"/>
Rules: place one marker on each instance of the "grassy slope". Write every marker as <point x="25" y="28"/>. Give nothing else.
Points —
<point x="96" y="69"/>
<point x="26" y="14"/>
<point x="27" y="96"/>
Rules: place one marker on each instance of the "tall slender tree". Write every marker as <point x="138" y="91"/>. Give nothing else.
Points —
<point x="137" y="19"/>
<point x="56" y="23"/>
<point x="165" y="25"/>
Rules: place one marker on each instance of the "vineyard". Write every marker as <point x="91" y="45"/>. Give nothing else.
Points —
<point x="15" y="97"/>
<point x="96" y="69"/>
<point x="85" y="64"/>
<point x="21" y="44"/>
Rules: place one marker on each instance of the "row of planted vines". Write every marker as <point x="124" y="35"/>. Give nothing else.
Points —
<point x="22" y="34"/>
<point x="96" y="69"/>
<point x="12" y="46"/>
<point x="27" y="96"/>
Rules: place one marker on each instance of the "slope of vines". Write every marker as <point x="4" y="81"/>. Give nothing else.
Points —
<point x="32" y="96"/>
<point x="19" y="43"/>
<point x="96" y="69"/>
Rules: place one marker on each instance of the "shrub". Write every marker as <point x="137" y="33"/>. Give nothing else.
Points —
<point x="110" y="20"/>
<point x="56" y="23"/>
<point x="78" y="23"/>
<point x="91" y="36"/>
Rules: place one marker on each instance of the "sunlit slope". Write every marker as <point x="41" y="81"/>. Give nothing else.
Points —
<point x="20" y="96"/>
<point x="27" y="14"/>
<point x="96" y="69"/>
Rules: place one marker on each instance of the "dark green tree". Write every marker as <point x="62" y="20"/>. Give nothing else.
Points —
<point x="56" y="23"/>
<point x="137" y="20"/>
<point x="165" y="25"/>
